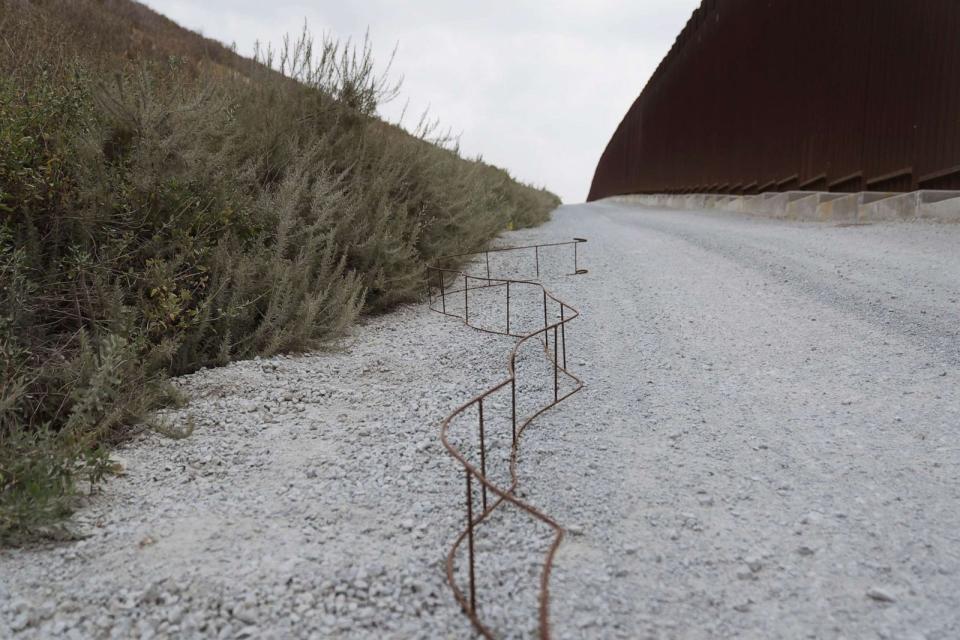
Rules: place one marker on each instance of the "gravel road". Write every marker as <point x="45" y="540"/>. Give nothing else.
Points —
<point x="765" y="448"/>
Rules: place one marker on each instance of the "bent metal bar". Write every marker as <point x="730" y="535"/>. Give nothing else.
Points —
<point x="439" y="279"/>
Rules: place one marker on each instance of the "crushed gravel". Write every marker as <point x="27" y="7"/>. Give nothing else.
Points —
<point x="314" y="499"/>
<point x="766" y="448"/>
<point x="767" y="445"/>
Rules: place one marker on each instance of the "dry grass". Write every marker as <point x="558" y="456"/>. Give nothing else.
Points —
<point x="166" y="204"/>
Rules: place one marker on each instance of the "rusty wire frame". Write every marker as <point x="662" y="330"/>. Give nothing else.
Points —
<point x="438" y="280"/>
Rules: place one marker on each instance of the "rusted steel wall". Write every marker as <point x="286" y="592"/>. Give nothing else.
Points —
<point x="778" y="95"/>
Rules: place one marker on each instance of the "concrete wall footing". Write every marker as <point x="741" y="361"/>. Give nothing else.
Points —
<point x="863" y="207"/>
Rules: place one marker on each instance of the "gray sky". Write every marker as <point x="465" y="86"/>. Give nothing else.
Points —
<point x="536" y="87"/>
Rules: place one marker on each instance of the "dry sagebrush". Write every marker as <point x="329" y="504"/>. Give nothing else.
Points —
<point x="167" y="205"/>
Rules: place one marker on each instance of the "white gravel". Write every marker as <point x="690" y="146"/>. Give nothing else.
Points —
<point x="314" y="499"/>
<point x="767" y="445"/>
<point x="766" y="448"/>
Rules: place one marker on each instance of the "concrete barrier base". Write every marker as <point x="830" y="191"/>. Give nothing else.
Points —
<point x="863" y="207"/>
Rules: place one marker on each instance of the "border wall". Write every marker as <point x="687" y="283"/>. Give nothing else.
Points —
<point x="760" y="96"/>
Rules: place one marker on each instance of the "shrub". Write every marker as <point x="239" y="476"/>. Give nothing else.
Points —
<point x="167" y="205"/>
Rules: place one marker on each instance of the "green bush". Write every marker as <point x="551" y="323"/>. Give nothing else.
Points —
<point x="163" y="210"/>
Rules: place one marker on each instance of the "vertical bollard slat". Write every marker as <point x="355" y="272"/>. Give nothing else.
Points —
<point x="466" y="300"/>
<point x="563" y="338"/>
<point x="488" y="265"/>
<point x="575" y="268"/>
<point x="483" y="456"/>
<point x="473" y="587"/>
<point x="536" y="257"/>
<point x="556" y="367"/>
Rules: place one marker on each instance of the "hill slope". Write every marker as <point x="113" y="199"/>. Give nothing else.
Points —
<point x="167" y="204"/>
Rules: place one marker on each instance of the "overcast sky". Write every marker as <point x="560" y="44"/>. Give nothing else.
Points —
<point x="536" y="87"/>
